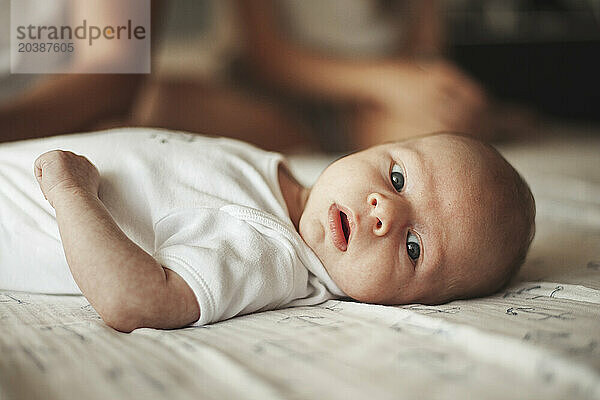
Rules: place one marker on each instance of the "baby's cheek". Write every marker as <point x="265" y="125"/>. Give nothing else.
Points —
<point x="311" y="232"/>
<point x="367" y="282"/>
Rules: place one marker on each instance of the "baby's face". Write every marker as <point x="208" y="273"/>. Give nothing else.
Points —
<point x="396" y="223"/>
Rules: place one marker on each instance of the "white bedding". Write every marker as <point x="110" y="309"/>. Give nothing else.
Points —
<point x="538" y="339"/>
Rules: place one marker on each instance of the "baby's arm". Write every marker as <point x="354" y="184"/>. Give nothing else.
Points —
<point x="123" y="283"/>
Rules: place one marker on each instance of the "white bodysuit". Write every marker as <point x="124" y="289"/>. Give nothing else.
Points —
<point x="210" y="209"/>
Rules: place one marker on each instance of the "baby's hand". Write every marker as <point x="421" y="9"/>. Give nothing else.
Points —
<point x="60" y="171"/>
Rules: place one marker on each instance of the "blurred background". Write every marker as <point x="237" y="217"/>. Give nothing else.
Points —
<point x="331" y="75"/>
<point x="542" y="53"/>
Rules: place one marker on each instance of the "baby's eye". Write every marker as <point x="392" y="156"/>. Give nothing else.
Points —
<point x="397" y="177"/>
<point x="413" y="248"/>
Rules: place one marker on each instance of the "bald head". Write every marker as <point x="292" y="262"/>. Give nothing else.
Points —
<point x="502" y="218"/>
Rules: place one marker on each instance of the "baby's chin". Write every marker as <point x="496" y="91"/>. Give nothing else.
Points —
<point x="404" y="299"/>
<point x="372" y="296"/>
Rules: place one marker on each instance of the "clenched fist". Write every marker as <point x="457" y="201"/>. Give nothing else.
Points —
<point x="58" y="172"/>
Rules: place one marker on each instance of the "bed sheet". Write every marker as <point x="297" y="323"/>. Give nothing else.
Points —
<point x="540" y="338"/>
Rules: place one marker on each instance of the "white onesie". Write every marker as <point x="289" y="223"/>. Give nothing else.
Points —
<point x="210" y="209"/>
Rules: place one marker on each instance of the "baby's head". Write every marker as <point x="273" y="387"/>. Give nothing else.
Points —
<point x="426" y="220"/>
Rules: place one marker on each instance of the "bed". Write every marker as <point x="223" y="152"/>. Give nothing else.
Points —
<point x="540" y="338"/>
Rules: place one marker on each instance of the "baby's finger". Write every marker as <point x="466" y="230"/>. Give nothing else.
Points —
<point x="37" y="168"/>
<point x="38" y="171"/>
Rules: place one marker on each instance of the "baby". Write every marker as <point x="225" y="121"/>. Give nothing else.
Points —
<point x="178" y="229"/>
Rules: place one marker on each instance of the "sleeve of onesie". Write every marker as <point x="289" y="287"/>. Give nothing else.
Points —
<point x="232" y="268"/>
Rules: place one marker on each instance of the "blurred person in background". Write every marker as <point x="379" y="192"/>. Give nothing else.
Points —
<point x="184" y="91"/>
<point x="334" y="75"/>
<point x="191" y="89"/>
<point x="37" y="105"/>
<point x="368" y="71"/>
<point x="283" y="75"/>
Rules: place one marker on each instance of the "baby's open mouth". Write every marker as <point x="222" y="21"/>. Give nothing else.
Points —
<point x="339" y="227"/>
<point x="345" y="226"/>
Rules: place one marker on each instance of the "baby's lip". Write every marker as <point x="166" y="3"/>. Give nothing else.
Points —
<point x="341" y="226"/>
<point x="335" y="228"/>
<point x="351" y="225"/>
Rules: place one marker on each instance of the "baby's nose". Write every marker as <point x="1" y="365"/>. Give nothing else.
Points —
<point x="383" y="210"/>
